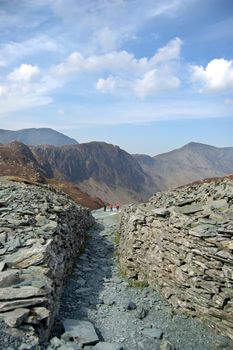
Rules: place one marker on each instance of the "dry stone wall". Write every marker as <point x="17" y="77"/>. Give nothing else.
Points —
<point x="181" y="243"/>
<point x="41" y="233"/>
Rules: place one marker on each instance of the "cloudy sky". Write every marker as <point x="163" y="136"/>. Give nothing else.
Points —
<point x="147" y="75"/>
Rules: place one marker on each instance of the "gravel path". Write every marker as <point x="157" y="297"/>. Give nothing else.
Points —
<point x="137" y="318"/>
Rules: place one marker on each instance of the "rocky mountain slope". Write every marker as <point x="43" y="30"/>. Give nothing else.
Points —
<point x="98" y="168"/>
<point x="17" y="161"/>
<point x="180" y="242"/>
<point x="38" y="136"/>
<point x="108" y="172"/>
<point x="192" y="162"/>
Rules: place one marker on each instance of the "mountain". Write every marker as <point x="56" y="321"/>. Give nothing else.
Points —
<point x="16" y="159"/>
<point x="98" y="168"/>
<point x="189" y="163"/>
<point x="18" y="163"/>
<point x="41" y="136"/>
<point x="106" y="171"/>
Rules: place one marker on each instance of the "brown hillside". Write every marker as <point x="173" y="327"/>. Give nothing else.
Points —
<point x="19" y="164"/>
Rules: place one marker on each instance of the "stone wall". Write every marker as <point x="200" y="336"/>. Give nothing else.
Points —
<point x="181" y="243"/>
<point x="41" y="233"/>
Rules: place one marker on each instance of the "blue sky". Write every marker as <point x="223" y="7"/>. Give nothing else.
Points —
<point x="147" y="75"/>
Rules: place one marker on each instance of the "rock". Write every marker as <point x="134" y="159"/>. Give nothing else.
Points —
<point x="37" y="314"/>
<point x="2" y="265"/>
<point x="107" y="346"/>
<point x="15" y="318"/>
<point x="55" y="342"/>
<point x="82" y="331"/>
<point x="26" y="257"/>
<point x="131" y="305"/>
<point x="41" y="220"/>
<point x="3" y="238"/>
<point x="25" y="346"/>
<point x="10" y="293"/>
<point x="203" y="231"/>
<point x="141" y="312"/>
<point x="21" y="303"/>
<point x="50" y="226"/>
<point x="165" y="345"/>
<point x="163" y="212"/>
<point x="220" y="204"/>
<point x="191" y="209"/>
<point x="67" y="337"/>
<point x="152" y="333"/>
<point x="8" y="278"/>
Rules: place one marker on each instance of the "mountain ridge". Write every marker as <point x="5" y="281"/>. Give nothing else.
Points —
<point x="36" y="136"/>
<point x="194" y="161"/>
<point x="106" y="171"/>
<point x="97" y="165"/>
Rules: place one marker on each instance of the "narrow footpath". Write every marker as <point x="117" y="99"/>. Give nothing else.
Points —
<point x="135" y="317"/>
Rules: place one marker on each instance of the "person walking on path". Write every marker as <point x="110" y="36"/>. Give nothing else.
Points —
<point x="105" y="206"/>
<point x="110" y="206"/>
<point x="117" y="206"/>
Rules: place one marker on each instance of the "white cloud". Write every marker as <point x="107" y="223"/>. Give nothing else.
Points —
<point x="25" y="88"/>
<point x="112" y="62"/>
<point x="106" y="39"/>
<point x="15" y="50"/>
<point x="3" y="90"/>
<point x="118" y="61"/>
<point x="169" y="52"/>
<point x="24" y="73"/>
<point x="15" y="102"/>
<point x="143" y="76"/>
<point x="217" y="76"/>
<point x="106" y="85"/>
<point x="147" y="84"/>
<point x="104" y="25"/>
<point x="154" y="81"/>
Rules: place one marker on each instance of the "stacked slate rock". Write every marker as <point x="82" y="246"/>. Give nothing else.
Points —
<point x="41" y="233"/>
<point x="181" y="243"/>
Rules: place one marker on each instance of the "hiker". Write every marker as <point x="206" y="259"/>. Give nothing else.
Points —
<point x="117" y="206"/>
<point x="110" y="206"/>
<point x="105" y="206"/>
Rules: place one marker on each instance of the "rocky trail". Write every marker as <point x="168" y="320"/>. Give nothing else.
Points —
<point x="125" y="315"/>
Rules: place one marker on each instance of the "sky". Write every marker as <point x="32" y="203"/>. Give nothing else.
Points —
<point x="149" y="76"/>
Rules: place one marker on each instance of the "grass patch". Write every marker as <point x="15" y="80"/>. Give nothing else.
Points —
<point x="117" y="238"/>
<point x="137" y="284"/>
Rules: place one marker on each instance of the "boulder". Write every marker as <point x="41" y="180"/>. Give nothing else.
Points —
<point x="82" y="331"/>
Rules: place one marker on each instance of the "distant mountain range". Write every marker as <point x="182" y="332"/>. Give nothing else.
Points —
<point x="41" y="136"/>
<point x="189" y="163"/>
<point x="108" y="172"/>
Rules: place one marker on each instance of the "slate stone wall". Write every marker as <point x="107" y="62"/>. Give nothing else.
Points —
<point x="41" y="233"/>
<point x="181" y="243"/>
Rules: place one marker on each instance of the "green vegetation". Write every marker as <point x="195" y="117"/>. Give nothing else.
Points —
<point x="117" y="238"/>
<point x="137" y="284"/>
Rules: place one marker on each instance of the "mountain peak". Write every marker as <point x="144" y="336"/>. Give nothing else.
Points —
<point x="195" y="145"/>
<point x="36" y="136"/>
